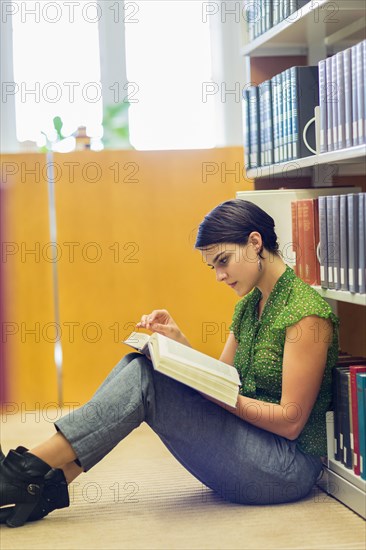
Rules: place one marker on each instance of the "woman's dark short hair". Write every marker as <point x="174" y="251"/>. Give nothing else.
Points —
<point x="233" y="221"/>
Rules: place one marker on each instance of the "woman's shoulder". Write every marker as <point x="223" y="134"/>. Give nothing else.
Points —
<point x="302" y="301"/>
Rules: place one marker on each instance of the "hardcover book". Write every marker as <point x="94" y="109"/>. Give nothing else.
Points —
<point x="305" y="83"/>
<point x="354" y="370"/>
<point x="189" y="366"/>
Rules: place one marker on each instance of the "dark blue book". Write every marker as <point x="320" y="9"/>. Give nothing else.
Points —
<point x="352" y="211"/>
<point x="306" y="89"/>
<point x="361" y="243"/>
<point x="245" y="106"/>
<point x="254" y="127"/>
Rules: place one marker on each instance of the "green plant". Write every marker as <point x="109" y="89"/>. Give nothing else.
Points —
<point x="57" y="124"/>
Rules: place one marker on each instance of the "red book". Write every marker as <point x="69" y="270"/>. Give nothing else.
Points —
<point x="311" y="240"/>
<point x="354" y="369"/>
<point x="295" y="236"/>
<point x="300" y="256"/>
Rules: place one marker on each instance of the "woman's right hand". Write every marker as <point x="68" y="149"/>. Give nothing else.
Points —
<point x="162" y="322"/>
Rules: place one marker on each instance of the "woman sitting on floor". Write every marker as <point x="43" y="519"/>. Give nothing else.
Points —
<point x="266" y="450"/>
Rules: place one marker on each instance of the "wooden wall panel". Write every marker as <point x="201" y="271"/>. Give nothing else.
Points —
<point x="126" y="226"/>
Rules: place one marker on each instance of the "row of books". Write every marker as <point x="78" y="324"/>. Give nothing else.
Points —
<point x="262" y="15"/>
<point x="329" y="241"/>
<point x="275" y="115"/>
<point x="342" y="99"/>
<point x="349" y="404"/>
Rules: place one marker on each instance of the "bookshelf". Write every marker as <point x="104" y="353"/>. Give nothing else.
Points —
<point x="352" y="155"/>
<point x="318" y="29"/>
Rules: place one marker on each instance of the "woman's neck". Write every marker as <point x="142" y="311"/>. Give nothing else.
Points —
<point x="272" y="269"/>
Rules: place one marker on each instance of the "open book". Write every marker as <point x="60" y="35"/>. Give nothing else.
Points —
<point x="189" y="366"/>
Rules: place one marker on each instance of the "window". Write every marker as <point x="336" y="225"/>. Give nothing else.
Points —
<point x="168" y="59"/>
<point x="56" y="69"/>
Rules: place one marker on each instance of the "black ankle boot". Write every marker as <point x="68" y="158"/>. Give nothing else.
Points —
<point x="54" y="496"/>
<point x="22" y="478"/>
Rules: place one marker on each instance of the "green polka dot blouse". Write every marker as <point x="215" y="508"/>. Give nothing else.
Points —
<point x="261" y="343"/>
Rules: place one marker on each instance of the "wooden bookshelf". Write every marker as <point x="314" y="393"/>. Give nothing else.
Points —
<point x="318" y="29"/>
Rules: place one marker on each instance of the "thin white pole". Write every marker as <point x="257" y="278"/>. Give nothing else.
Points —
<point x="53" y="239"/>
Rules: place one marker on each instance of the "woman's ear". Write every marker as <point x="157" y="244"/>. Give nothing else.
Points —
<point x="255" y="239"/>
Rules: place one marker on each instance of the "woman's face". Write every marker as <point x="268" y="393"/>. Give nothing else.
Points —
<point x="236" y="265"/>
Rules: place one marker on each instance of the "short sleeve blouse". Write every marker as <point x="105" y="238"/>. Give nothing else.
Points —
<point x="261" y="343"/>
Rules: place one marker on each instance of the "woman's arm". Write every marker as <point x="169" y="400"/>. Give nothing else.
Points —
<point x="304" y="362"/>
<point x="228" y="353"/>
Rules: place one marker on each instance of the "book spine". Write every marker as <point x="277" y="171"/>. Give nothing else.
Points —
<point x="253" y="127"/>
<point x="245" y="106"/>
<point x="339" y="407"/>
<point x="310" y="261"/>
<point x="335" y="100"/>
<point x="300" y="254"/>
<point x="323" y="106"/>
<point x="291" y="122"/>
<point x="285" y="106"/>
<point x="270" y="124"/>
<point x="354" y="95"/>
<point x="343" y="239"/>
<point x="280" y="117"/>
<point x="261" y="113"/>
<point x="269" y="21"/>
<point x="361" y="403"/>
<point x="317" y="239"/>
<point x="360" y="92"/>
<point x="364" y="218"/>
<point x="347" y="97"/>
<point x="307" y="85"/>
<point x="295" y="237"/>
<point x="329" y="101"/>
<point x="323" y="242"/>
<point x="341" y="102"/>
<point x="336" y="246"/>
<point x="361" y="244"/>
<point x="275" y="91"/>
<point x="331" y="246"/>
<point x="354" y="369"/>
<point x="352" y="211"/>
<point x="275" y="12"/>
<point x="364" y="86"/>
<point x="345" y="420"/>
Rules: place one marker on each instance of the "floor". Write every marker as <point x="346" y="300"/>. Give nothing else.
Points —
<point x="140" y="497"/>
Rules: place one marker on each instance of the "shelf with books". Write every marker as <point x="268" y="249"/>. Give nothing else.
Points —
<point x="317" y="30"/>
<point x="342" y="295"/>
<point x="341" y="482"/>
<point x="290" y="36"/>
<point x="350" y="155"/>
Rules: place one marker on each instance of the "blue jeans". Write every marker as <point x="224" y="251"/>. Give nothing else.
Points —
<point x="242" y="463"/>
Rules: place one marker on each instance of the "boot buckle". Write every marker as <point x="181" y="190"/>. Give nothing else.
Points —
<point x="33" y="489"/>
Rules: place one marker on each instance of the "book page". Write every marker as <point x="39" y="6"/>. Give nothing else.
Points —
<point x="184" y="354"/>
<point x="137" y="340"/>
